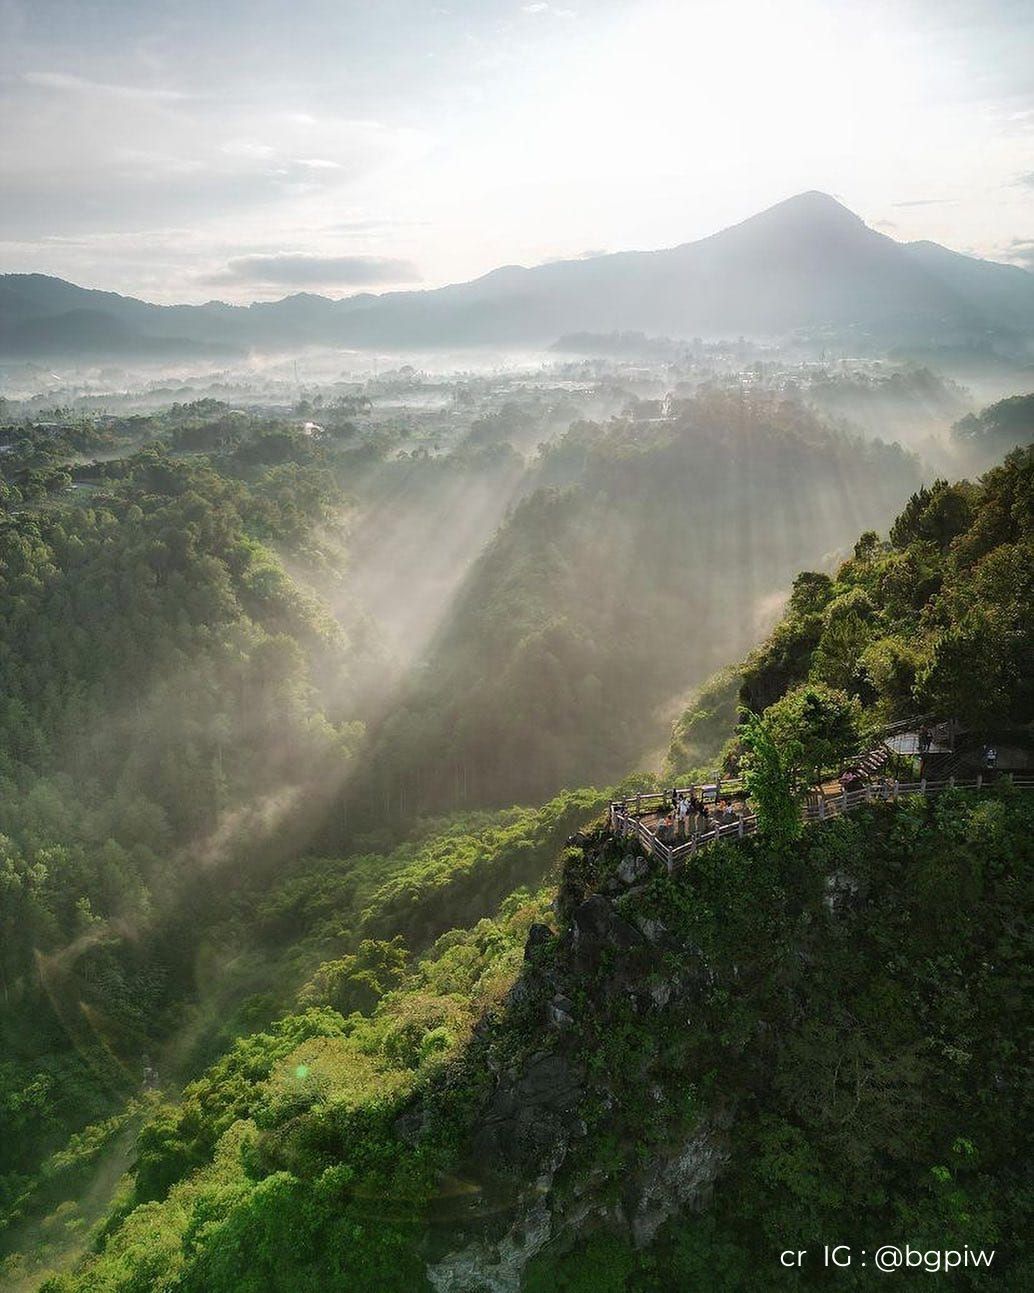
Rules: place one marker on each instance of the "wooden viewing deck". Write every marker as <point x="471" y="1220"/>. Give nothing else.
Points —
<point x="631" y="817"/>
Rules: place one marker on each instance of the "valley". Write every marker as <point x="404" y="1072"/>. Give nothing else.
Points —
<point x="274" y="677"/>
<point x="351" y="650"/>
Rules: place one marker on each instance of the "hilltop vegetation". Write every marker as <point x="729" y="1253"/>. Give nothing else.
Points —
<point x="998" y="428"/>
<point x="908" y="623"/>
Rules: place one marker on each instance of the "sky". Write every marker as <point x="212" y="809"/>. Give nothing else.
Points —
<point x="242" y="151"/>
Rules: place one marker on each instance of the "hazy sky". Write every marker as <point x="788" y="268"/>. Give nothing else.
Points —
<point x="188" y="150"/>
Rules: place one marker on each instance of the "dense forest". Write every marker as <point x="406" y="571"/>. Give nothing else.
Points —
<point x="998" y="428"/>
<point x="849" y="1071"/>
<point x="938" y="618"/>
<point x="637" y="547"/>
<point x="167" y="690"/>
<point x="321" y="1037"/>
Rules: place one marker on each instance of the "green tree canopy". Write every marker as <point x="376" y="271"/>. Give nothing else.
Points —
<point x="816" y="727"/>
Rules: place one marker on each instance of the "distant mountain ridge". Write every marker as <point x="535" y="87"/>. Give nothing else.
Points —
<point x="806" y="266"/>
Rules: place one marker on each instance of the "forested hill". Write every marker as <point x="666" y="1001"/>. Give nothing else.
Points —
<point x="169" y="693"/>
<point x="613" y="1077"/>
<point x="648" y="554"/>
<point x="995" y="430"/>
<point x="188" y="668"/>
<point x="938" y="618"/>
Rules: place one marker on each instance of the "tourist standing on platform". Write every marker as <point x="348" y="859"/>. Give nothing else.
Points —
<point x="683" y="816"/>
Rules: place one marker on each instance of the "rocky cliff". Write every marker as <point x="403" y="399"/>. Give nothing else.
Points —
<point x="574" y="1138"/>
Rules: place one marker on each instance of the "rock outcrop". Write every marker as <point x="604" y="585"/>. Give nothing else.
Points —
<point x="531" y="1143"/>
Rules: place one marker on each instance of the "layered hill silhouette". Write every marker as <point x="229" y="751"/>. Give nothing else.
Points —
<point x="807" y="266"/>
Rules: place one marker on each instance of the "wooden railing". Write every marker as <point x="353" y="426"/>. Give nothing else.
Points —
<point x="626" y="814"/>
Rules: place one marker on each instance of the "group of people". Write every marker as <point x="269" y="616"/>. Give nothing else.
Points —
<point x="689" y="815"/>
<point x="852" y="779"/>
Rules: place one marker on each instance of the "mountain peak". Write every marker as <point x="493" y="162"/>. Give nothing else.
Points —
<point x="807" y="263"/>
<point x="812" y="205"/>
<point x="817" y="200"/>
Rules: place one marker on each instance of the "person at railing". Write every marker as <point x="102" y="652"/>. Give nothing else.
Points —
<point x="925" y="741"/>
<point x="666" y="829"/>
<point x="726" y="813"/>
<point x="851" y="779"/>
<point x="682" y="813"/>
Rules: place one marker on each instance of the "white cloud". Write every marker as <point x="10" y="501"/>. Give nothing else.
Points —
<point x="65" y="83"/>
<point x="297" y="269"/>
<point x="246" y="148"/>
<point x="1020" y="251"/>
<point x="264" y="130"/>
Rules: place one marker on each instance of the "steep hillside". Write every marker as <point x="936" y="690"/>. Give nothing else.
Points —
<point x="997" y="429"/>
<point x="907" y="624"/>
<point x="484" y="1061"/>
<point x="649" y="555"/>
<point x="328" y="934"/>
<point x="680" y="1079"/>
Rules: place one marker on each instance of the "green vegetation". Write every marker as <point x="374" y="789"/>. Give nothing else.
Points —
<point x="768" y="774"/>
<point x="383" y="1037"/>
<point x="701" y="731"/>
<point x="906" y="626"/>
<point x="852" y="1051"/>
<point x="222" y="1163"/>
<point x="644" y="547"/>
<point x="1000" y="427"/>
<point x="814" y="727"/>
<point x="167" y="687"/>
<point x="859" y="1029"/>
